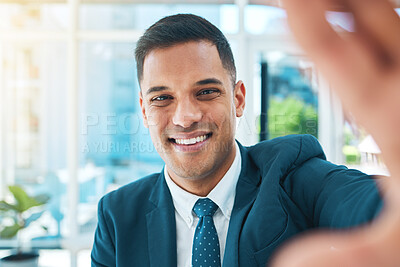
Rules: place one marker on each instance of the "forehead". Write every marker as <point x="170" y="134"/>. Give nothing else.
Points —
<point x="182" y="63"/>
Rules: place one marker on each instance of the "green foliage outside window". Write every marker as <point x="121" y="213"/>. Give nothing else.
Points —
<point x="291" y="116"/>
<point x="19" y="211"/>
<point x="350" y="151"/>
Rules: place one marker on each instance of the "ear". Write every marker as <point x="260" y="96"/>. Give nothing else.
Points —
<point x="142" y="107"/>
<point x="239" y="97"/>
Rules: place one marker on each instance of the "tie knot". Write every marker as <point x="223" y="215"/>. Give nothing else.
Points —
<point x="205" y="207"/>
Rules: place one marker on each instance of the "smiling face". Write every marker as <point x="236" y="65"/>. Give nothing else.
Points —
<point x="190" y="107"/>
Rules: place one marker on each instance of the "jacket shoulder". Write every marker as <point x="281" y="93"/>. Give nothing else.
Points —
<point x="287" y="151"/>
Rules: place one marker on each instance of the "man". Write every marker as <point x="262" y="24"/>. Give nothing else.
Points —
<point x="256" y="197"/>
<point x="363" y="67"/>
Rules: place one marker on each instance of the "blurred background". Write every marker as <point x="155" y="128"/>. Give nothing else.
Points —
<point x="70" y="123"/>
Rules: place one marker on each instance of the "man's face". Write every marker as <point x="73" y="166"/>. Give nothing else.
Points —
<point x="190" y="107"/>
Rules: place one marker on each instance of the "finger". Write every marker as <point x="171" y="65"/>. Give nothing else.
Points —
<point x="337" y="56"/>
<point x="380" y="25"/>
<point x="345" y="60"/>
<point x="309" y="26"/>
<point x="326" y="249"/>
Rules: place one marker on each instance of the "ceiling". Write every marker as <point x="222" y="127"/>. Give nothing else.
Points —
<point x="276" y="3"/>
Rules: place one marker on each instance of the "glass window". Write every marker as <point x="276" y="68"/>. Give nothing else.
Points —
<point x="33" y="16"/>
<point x="137" y="16"/>
<point x="116" y="148"/>
<point x="360" y="150"/>
<point x="33" y="127"/>
<point x="291" y="99"/>
<point x="265" y="20"/>
<point x="260" y="19"/>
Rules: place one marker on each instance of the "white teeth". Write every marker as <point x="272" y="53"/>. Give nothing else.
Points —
<point x="191" y="141"/>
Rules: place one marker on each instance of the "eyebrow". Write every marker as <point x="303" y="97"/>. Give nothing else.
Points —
<point x="209" y="81"/>
<point x="156" y="89"/>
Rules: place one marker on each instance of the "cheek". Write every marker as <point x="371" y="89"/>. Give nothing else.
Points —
<point x="154" y="118"/>
<point x="158" y="122"/>
<point x="222" y="115"/>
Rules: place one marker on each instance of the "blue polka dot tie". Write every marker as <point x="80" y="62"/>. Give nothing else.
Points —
<point x="205" y="251"/>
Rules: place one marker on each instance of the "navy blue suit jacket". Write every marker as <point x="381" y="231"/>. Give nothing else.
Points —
<point x="285" y="187"/>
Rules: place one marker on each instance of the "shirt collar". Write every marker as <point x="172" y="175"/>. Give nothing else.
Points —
<point x="223" y="194"/>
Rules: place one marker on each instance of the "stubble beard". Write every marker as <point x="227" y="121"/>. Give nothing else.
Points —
<point x="193" y="169"/>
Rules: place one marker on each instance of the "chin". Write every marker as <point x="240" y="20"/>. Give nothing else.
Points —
<point x="192" y="172"/>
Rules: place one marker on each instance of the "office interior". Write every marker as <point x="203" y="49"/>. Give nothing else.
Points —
<point x="70" y="122"/>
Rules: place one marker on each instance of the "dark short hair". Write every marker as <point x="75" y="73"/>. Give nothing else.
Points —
<point x="182" y="28"/>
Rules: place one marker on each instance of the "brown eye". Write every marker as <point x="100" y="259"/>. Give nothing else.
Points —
<point x="161" y="101"/>
<point x="208" y="94"/>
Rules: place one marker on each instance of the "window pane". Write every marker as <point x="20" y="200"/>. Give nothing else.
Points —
<point x="33" y="16"/>
<point x="292" y="99"/>
<point x="360" y="150"/>
<point x="116" y="148"/>
<point x="131" y="16"/>
<point x="265" y="19"/>
<point x="33" y="127"/>
<point x="260" y="19"/>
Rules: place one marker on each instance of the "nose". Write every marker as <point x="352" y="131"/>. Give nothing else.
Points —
<point x="186" y="113"/>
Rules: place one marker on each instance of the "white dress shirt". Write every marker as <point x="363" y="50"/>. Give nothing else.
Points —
<point x="223" y="195"/>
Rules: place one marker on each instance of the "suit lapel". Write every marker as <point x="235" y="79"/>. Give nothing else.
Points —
<point x="246" y="192"/>
<point x="161" y="226"/>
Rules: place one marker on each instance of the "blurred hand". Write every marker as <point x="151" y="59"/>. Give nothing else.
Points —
<point x="363" y="68"/>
